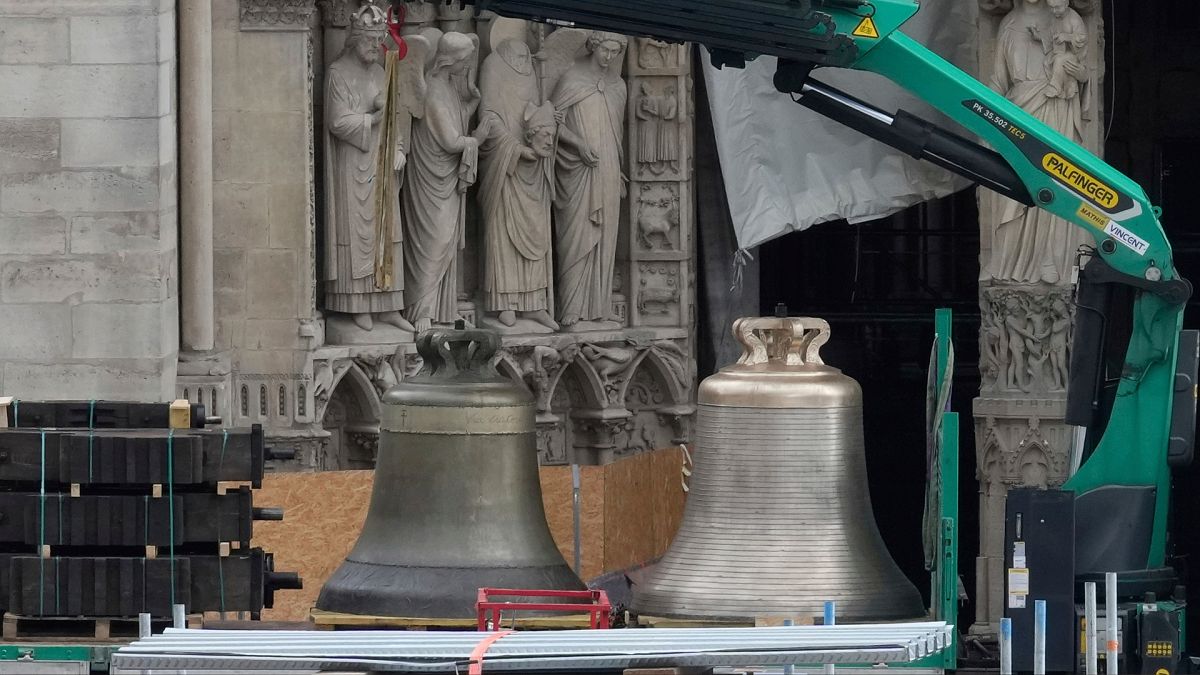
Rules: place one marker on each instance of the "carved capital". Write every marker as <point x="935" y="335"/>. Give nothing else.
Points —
<point x="276" y="15"/>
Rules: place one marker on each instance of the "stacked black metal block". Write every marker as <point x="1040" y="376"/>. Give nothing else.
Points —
<point x="116" y="509"/>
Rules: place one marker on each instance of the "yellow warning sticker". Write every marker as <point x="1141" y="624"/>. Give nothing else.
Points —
<point x="867" y="29"/>
<point x="1097" y="219"/>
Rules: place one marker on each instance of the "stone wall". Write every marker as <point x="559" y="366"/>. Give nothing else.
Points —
<point x="88" y="293"/>
<point x="263" y="222"/>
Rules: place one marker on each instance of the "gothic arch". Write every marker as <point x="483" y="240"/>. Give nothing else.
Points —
<point x="351" y="417"/>
<point x="1033" y="467"/>
<point x="591" y="387"/>
<point x="652" y="363"/>
<point x="507" y="366"/>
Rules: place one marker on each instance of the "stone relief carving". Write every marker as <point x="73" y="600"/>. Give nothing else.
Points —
<point x="658" y="216"/>
<point x="590" y="182"/>
<point x="656" y="54"/>
<point x="611" y="364"/>
<point x="443" y="164"/>
<point x="658" y="134"/>
<point x="516" y="191"/>
<point x="364" y="264"/>
<point x="659" y="292"/>
<point x="286" y="15"/>
<point x="1024" y="340"/>
<point x="539" y="367"/>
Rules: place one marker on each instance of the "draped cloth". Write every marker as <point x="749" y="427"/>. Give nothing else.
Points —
<point x="787" y="168"/>
<point x="355" y="237"/>
<point x="514" y="193"/>
<point x="438" y="175"/>
<point x="588" y="199"/>
<point x="1030" y="245"/>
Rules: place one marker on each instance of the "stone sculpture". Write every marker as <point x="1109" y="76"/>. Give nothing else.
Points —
<point x="1039" y="67"/>
<point x="658" y="135"/>
<point x="442" y="165"/>
<point x="516" y="191"/>
<point x="1024" y="341"/>
<point x="364" y="272"/>
<point x="589" y="182"/>
<point x="1067" y="46"/>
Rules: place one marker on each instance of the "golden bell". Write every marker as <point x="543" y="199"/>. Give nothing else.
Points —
<point x="778" y="518"/>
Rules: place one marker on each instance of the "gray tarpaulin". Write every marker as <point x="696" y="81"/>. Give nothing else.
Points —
<point x="787" y="168"/>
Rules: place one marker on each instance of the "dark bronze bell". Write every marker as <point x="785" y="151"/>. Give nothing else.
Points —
<point x="457" y="504"/>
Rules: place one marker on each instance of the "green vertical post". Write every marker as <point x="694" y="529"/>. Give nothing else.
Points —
<point x="946" y="602"/>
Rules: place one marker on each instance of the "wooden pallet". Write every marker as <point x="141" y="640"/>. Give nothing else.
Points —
<point x="98" y="628"/>
<point x="324" y="620"/>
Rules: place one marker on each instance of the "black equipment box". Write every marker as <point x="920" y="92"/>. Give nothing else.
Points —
<point x="1039" y="556"/>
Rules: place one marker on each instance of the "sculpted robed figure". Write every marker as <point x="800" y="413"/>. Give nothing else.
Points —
<point x="516" y="190"/>
<point x="364" y="263"/>
<point x="442" y="165"/>
<point x="591" y="97"/>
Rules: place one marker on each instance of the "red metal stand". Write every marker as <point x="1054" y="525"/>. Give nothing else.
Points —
<point x="598" y="609"/>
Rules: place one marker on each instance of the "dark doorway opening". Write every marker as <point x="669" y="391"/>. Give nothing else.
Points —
<point x="879" y="284"/>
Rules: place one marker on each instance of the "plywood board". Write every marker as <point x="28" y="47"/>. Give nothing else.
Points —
<point x="558" y="498"/>
<point x="323" y="515"/>
<point x="630" y="511"/>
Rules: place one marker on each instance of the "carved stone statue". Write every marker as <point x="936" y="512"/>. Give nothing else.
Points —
<point x="364" y="269"/>
<point x="589" y="182"/>
<point x="658" y="135"/>
<point x="516" y="189"/>
<point x="1039" y="66"/>
<point x="442" y="165"/>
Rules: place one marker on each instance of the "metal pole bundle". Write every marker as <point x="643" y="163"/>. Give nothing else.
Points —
<point x="1089" y="616"/>
<point x="1110" y="617"/>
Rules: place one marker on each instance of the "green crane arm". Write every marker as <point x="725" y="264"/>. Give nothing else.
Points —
<point x="1029" y="162"/>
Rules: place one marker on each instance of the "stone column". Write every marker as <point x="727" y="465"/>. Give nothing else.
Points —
<point x="1049" y="56"/>
<point x="196" y="173"/>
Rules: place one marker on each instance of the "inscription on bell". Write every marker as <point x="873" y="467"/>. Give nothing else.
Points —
<point x="473" y="421"/>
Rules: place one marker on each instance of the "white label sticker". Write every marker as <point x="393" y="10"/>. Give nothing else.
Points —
<point x="1128" y="239"/>
<point x="1019" y="554"/>
<point x="1018" y="581"/>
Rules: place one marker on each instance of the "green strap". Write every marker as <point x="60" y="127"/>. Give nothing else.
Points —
<point x="16" y="412"/>
<point x="171" y="504"/>
<point x="42" y="531"/>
